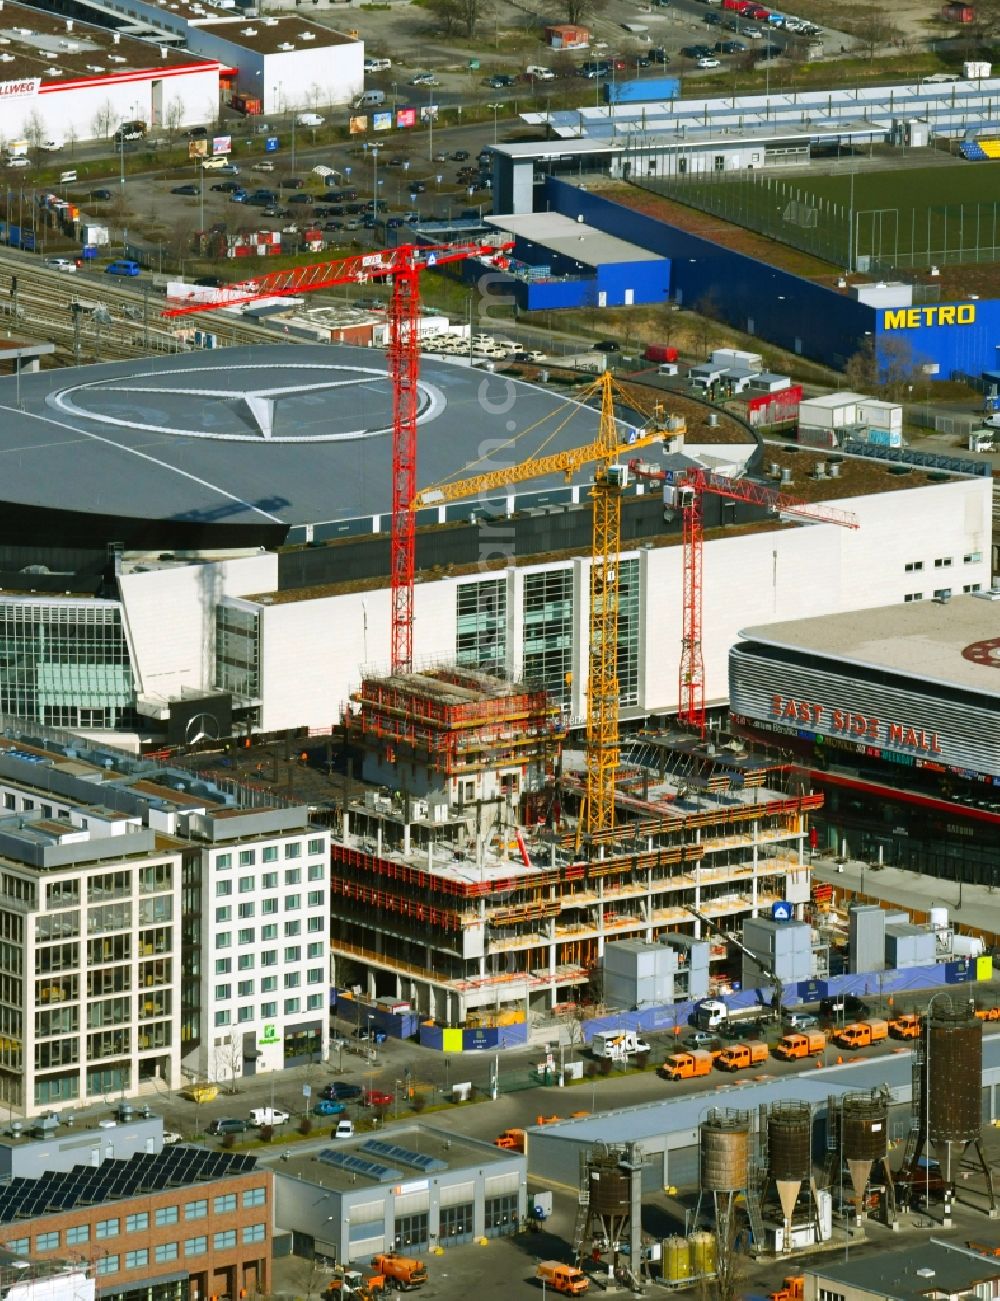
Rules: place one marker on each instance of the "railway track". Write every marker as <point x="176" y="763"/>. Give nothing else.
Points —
<point x="113" y="320"/>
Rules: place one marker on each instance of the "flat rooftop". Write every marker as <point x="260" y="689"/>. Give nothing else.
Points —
<point x="54" y="48"/>
<point x="917" y="1271"/>
<point x="418" y="1150"/>
<point x="955" y="644"/>
<point x="281" y="35"/>
<point x="572" y="239"/>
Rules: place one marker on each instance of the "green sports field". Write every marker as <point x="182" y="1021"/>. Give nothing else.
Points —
<point x="903" y="217"/>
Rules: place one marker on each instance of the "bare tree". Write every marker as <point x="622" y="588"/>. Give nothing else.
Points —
<point x="708" y="313"/>
<point x="874" y="30"/>
<point x="459" y="15"/>
<point x="576" y="11"/>
<point x="100" y="123"/>
<point x="174" y="115"/>
<point x="71" y="136"/>
<point x="229" y="1057"/>
<point x="34" y="129"/>
<point x="860" y="372"/>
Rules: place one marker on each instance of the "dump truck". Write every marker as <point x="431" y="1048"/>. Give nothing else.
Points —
<point x="352" y="1283"/>
<point x="859" y="1034"/>
<point x="400" y="1271"/>
<point x="905" y="1026"/>
<point x="792" y="1289"/>
<point x="562" y="1278"/>
<point x="686" y="1066"/>
<point x="511" y="1140"/>
<point x="740" y="1056"/>
<point x="799" y="1043"/>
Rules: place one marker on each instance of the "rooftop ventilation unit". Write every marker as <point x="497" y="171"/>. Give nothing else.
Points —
<point x="118" y="58"/>
<point x="6" y="58"/>
<point x="53" y="72"/>
<point x="116" y="39"/>
<point x="248" y="31"/>
<point x="286" y="45"/>
<point x="307" y="36"/>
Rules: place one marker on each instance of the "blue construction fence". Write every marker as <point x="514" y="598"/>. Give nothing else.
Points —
<point x="870" y="983"/>
<point x="493" y="1038"/>
<point x="397" y="1025"/>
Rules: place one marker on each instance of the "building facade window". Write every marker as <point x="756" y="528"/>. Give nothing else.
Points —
<point x="227" y="1238"/>
<point x="237" y="650"/>
<point x="166" y="1215"/>
<point x="196" y="1210"/>
<point x="548" y="631"/>
<point x="628" y="632"/>
<point x="76" y="1234"/>
<point x="481" y="625"/>
<point x="107" y="1228"/>
<point x="137" y="1259"/>
<point x="254" y="1233"/>
<point x="224" y="1204"/>
<point x="58" y="653"/>
<point x="165" y="1251"/>
<point x="108" y="1265"/>
<point x="254" y="1197"/>
<point x="195" y="1246"/>
<point x="47" y="1241"/>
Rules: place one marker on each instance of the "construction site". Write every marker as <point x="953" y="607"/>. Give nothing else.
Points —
<point x="473" y="881"/>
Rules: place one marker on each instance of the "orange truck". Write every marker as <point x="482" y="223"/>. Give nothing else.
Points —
<point x="800" y="1043"/>
<point x="905" y="1026"/>
<point x="686" y="1066"/>
<point x="562" y="1278"/>
<point x="739" y="1056"/>
<point x="403" y="1272"/>
<point x="511" y="1140"/>
<point x="862" y="1033"/>
<point x="792" y="1289"/>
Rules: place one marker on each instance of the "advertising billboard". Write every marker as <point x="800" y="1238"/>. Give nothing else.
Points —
<point x="221" y="146"/>
<point x="197" y="148"/>
<point x="381" y="121"/>
<point x="358" y="125"/>
<point x="406" y="117"/>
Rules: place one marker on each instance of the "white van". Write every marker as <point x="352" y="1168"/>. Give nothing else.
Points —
<point x="309" y="119"/>
<point x="378" y="65"/>
<point x="370" y="99"/>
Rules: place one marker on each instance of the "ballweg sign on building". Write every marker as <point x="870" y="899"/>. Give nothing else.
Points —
<point x="845" y="722"/>
<point x="22" y="89"/>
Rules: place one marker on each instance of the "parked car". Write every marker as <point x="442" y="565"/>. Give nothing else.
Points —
<point x="700" y="1039"/>
<point x="423" y="79"/>
<point x="185" y="189"/>
<point x="844" y="1007"/>
<point x="377" y="1098"/>
<point x="229" y="1125"/>
<point x="60" y="263"/>
<point x="301" y="198"/>
<point x="269" y="1116"/>
<point x="801" y="1021"/>
<point x="344" y="1129"/>
<point x="291" y="183"/>
<point x="171" y="1136"/>
<point x="708" y="61"/>
<point x="460" y="155"/>
<point x="607" y="345"/>
<point x="341" y="1091"/>
<point x="123" y="267"/>
<point x="500" y="82"/>
<point x="100" y="196"/>
<point x="729" y="47"/>
<point x="262" y="167"/>
<point x="327" y="1107"/>
<point x="227" y="187"/>
<point x="228" y="169"/>
<point x="196" y="133"/>
<point x="696" y="51"/>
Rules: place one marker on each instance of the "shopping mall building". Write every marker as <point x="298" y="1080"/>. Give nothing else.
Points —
<point x="894" y="713"/>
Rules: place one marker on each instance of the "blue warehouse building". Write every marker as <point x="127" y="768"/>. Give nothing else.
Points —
<point x="559" y="261"/>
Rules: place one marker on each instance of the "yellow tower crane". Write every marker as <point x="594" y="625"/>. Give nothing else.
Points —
<point x="609" y="483"/>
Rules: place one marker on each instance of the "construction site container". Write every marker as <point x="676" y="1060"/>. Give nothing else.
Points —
<point x="632" y="92"/>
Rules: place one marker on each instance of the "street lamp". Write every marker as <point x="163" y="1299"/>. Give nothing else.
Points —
<point x="496" y="109"/>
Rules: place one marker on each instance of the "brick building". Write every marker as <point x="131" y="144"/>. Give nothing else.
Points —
<point x="183" y="1224"/>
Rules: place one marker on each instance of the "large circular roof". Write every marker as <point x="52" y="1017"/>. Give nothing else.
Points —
<point x="240" y="445"/>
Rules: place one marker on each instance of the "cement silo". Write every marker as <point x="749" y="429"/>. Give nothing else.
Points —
<point x="947" y="1098"/>
<point x="610" y="1210"/>
<point x="858" y="1142"/>
<point x="727" y="1159"/>
<point x="788" y="1129"/>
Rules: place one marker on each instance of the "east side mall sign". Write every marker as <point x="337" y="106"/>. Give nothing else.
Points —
<point x="859" y="727"/>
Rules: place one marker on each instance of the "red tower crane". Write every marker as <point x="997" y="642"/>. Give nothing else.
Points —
<point x="401" y="266"/>
<point x="690" y="486"/>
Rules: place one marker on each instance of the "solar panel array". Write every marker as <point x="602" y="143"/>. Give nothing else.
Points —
<point x="115" y="1180"/>
<point x="357" y="1165"/>
<point x="393" y="1152"/>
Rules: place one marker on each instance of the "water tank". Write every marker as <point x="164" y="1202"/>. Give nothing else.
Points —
<point x="610" y="1187"/>
<point x="939" y="918"/>
<point x="724" y="1143"/>
<point x="954" y="1074"/>
<point x="702" y="1254"/>
<point x="676" y="1260"/>
<point x="864" y="1120"/>
<point x="789" y="1140"/>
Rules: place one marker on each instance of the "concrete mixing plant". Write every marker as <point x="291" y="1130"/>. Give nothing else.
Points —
<point x="727" y="1161"/>
<point x="947" y="1105"/>
<point x="609" y="1215"/>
